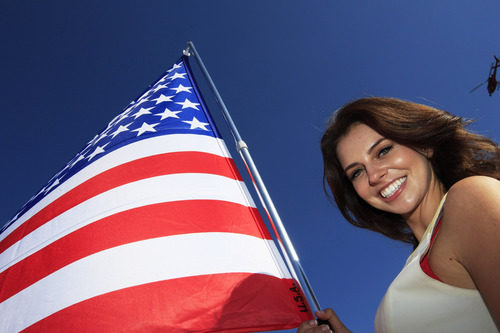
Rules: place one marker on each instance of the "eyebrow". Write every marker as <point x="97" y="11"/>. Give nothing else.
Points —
<point x="375" y="144"/>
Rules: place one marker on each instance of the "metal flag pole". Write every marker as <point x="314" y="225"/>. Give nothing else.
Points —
<point x="274" y="218"/>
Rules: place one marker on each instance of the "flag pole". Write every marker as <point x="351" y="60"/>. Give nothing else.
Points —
<point x="274" y="218"/>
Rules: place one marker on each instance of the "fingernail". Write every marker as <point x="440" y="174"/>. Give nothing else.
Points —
<point x="325" y="329"/>
<point x="313" y="323"/>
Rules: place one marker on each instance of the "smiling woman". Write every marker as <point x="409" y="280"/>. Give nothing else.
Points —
<point x="389" y="176"/>
<point x="407" y="170"/>
<point x="456" y="154"/>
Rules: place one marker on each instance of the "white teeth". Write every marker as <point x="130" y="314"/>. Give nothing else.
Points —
<point x="389" y="190"/>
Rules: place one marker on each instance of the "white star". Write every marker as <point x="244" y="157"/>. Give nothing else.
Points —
<point x="119" y="130"/>
<point x="120" y="117"/>
<point x="168" y="114"/>
<point x="97" y="151"/>
<point x="13" y="219"/>
<point x="141" y="112"/>
<point x="162" y="98"/>
<point x="160" y="86"/>
<point x="188" y="104"/>
<point x="175" y="66"/>
<point x="115" y="120"/>
<point x="162" y="80"/>
<point x="138" y="105"/>
<point x="123" y="115"/>
<point x="130" y="106"/>
<point x="142" y="99"/>
<point x="145" y="128"/>
<point x="78" y="159"/>
<point x="181" y="88"/>
<point x="195" y="123"/>
<point x="94" y="140"/>
<point x="177" y="76"/>
<point x="102" y="135"/>
<point x="54" y="184"/>
<point x="144" y="96"/>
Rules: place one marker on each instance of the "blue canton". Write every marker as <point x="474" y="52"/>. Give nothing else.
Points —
<point x="172" y="105"/>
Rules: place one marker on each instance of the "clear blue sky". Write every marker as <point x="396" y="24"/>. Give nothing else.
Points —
<point x="282" y="67"/>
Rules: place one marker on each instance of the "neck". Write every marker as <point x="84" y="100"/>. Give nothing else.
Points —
<point x="420" y="218"/>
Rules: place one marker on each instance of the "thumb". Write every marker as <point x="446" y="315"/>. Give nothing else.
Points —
<point x="333" y="319"/>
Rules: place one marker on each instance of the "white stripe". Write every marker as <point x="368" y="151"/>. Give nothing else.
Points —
<point x="174" y="187"/>
<point x="140" y="149"/>
<point x="136" y="264"/>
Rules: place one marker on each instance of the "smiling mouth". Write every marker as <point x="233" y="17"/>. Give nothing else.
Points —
<point x="391" y="189"/>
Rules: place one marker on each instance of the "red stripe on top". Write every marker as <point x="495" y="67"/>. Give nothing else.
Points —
<point x="158" y="220"/>
<point x="171" y="163"/>
<point x="236" y="302"/>
<point x="424" y="263"/>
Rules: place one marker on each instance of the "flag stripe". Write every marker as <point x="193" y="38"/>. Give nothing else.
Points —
<point x="163" y="164"/>
<point x="134" y="151"/>
<point x="152" y="305"/>
<point x="159" y="220"/>
<point x="143" y="262"/>
<point x="148" y="191"/>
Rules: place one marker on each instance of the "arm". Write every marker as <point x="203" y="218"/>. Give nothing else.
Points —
<point x="473" y="210"/>
<point x="329" y="315"/>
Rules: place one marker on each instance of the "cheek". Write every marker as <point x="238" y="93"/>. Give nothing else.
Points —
<point x="422" y="166"/>
<point x="401" y="162"/>
<point x="427" y="172"/>
<point x="361" y="189"/>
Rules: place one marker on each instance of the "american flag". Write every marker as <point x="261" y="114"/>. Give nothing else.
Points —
<point x="149" y="227"/>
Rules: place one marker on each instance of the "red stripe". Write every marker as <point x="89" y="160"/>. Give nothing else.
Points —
<point x="171" y="163"/>
<point x="159" y="220"/>
<point x="235" y="302"/>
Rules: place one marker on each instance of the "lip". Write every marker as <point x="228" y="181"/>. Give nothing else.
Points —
<point x="396" y="193"/>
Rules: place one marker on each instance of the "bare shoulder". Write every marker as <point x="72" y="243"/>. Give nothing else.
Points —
<point x="476" y="183"/>
<point x="471" y="224"/>
<point x="472" y="207"/>
<point x="473" y="195"/>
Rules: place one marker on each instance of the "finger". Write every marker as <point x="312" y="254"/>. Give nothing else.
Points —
<point x="306" y="326"/>
<point x="333" y="319"/>
<point x="313" y="327"/>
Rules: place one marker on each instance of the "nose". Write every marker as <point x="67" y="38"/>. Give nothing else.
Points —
<point x="376" y="173"/>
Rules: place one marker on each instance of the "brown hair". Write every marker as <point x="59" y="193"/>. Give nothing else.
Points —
<point x="458" y="153"/>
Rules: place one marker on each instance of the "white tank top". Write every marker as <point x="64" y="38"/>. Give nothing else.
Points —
<point x="417" y="303"/>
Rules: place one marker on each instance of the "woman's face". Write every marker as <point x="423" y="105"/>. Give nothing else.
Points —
<point x="388" y="176"/>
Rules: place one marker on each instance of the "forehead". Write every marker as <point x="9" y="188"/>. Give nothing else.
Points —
<point x="356" y="143"/>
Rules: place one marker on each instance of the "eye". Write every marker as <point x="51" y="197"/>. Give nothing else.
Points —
<point x="384" y="150"/>
<point x="356" y="174"/>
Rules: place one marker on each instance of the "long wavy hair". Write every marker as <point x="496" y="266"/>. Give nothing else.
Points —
<point x="457" y="154"/>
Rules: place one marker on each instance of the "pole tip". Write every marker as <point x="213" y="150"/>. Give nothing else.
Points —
<point x="187" y="50"/>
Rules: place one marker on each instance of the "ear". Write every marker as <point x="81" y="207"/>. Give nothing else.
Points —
<point x="429" y="152"/>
